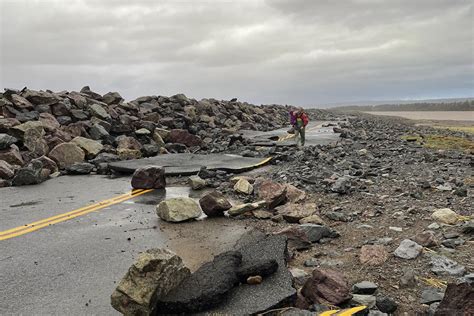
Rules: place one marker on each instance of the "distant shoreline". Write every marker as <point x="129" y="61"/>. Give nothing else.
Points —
<point x="461" y="116"/>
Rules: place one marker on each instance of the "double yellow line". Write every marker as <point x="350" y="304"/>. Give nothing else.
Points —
<point x="28" y="228"/>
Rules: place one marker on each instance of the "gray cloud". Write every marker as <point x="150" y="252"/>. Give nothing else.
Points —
<point x="277" y="51"/>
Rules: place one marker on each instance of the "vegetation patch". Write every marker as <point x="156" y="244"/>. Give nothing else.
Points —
<point x="441" y="142"/>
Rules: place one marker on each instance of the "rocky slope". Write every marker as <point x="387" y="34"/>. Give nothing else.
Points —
<point x="42" y="132"/>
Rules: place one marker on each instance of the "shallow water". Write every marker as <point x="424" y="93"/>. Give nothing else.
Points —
<point x="430" y="115"/>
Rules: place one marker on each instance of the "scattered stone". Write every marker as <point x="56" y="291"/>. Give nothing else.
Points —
<point x="294" y="194"/>
<point x="155" y="273"/>
<point x="316" y="232"/>
<point x="468" y="228"/>
<point x="373" y="255"/>
<point x="365" y="300"/>
<point x="408" y="249"/>
<point x="311" y="263"/>
<point x="431" y="295"/>
<point x="98" y="111"/>
<point x="214" y="204"/>
<point x="326" y="286"/>
<point x="243" y="186"/>
<point x="299" y="275"/>
<point x="149" y="177"/>
<point x="178" y="210"/>
<point x="261" y="214"/>
<point x="272" y="192"/>
<point x="253" y="280"/>
<point x="433" y="226"/>
<point x="312" y="219"/>
<point x="364" y="287"/>
<point x="197" y="183"/>
<point x="426" y="239"/>
<point x="244" y="208"/>
<point x="397" y="229"/>
<point x="337" y="216"/>
<point x="445" y="216"/>
<point x="386" y="304"/>
<point x="342" y="185"/>
<point x="443" y="265"/>
<point x="293" y="213"/>
<point x="181" y="136"/>
<point x="297" y="238"/>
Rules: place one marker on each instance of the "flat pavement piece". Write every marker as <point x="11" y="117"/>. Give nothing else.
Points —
<point x="186" y="164"/>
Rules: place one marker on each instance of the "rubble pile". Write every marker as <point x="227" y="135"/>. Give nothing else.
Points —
<point x="80" y="132"/>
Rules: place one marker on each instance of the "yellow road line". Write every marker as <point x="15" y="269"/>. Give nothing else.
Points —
<point x="28" y="228"/>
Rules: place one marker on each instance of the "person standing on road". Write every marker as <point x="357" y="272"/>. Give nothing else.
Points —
<point x="292" y="120"/>
<point x="301" y="120"/>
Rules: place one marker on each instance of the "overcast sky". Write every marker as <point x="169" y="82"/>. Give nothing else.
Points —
<point x="304" y="52"/>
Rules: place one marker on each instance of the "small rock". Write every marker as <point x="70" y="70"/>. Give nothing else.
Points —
<point x="313" y="219"/>
<point x="297" y="238"/>
<point x="261" y="214"/>
<point x="293" y="213"/>
<point x="316" y="232"/>
<point x="326" y="286"/>
<point x="196" y="182"/>
<point x="433" y="226"/>
<point x="431" y="295"/>
<point x="31" y="174"/>
<point x="386" y="304"/>
<point x="444" y="265"/>
<point x="80" y="168"/>
<point x="445" y="216"/>
<point x="364" y="287"/>
<point x="272" y="192"/>
<point x="408" y="249"/>
<point x="214" y="204"/>
<point x="426" y="239"/>
<point x="243" y="208"/>
<point x="311" y="263"/>
<point x="253" y="280"/>
<point x="397" y="229"/>
<point x="365" y="300"/>
<point x="408" y="279"/>
<point x="178" y="210"/>
<point x="300" y="276"/>
<point x="244" y="187"/>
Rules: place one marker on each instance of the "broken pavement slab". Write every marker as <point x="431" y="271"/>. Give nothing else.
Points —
<point x="275" y="291"/>
<point x="188" y="164"/>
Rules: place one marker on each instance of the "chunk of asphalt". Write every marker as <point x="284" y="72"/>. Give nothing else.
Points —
<point x="275" y="291"/>
<point x="203" y="289"/>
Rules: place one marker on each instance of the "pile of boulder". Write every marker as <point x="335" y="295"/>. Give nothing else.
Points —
<point x="80" y="132"/>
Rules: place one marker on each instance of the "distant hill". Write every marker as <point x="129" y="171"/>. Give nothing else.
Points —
<point x="418" y="105"/>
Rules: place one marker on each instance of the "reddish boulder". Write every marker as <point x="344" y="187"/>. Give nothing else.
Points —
<point x="214" y="204"/>
<point x="6" y="170"/>
<point x="297" y="238"/>
<point x="149" y="177"/>
<point x="12" y="156"/>
<point x="182" y="136"/>
<point x="272" y="192"/>
<point x="426" y="239"/>
<point x="458" y="300"/>
<point x="326" y="286"/>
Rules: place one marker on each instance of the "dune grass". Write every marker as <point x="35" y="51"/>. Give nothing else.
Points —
<point x="442" y="142"/>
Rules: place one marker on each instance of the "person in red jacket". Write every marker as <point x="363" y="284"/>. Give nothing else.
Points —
<point x="300" y="126"/>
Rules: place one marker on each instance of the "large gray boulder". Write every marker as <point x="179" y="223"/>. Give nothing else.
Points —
<point x="90" y="147"/>
<point x="408" y="249"/>
<point x="178" y="210"/>
<point x="31" y="174"/>
<point x="155" y="273"/>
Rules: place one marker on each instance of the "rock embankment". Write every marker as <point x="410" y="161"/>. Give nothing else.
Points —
<point x="43" y="132"/>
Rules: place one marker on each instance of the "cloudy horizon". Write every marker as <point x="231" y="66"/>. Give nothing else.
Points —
<point x="262" y="51"/>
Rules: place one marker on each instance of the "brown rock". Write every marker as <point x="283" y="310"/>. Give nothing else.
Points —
<point x="127" y="142"/>
<point x="426" y="239"/>
<point x="294" y="194"/>
<point x="253" y="280"/>
<point x="49" y="122"/>
<point x="149" y="177"/>
<point x="33" y="140"/>
<point x="182" y="136"/>
<point x="261" y="214"/>
<point x="21" y="103"/>
<point x="293" y="213"/>
<point x="6" y="170"/>
<point x="214" y="204"/>
<point x="458" y="300"/>
<point x="12" y="156"/>
<point x="313" y="219"/>
<point x="373" y="255"/>
<point x="297" y="238"/>
<point x="48" y="164"/>
<point x="126" y="154"/>
<point x="326" y="286"/>
<point x="7" y="123"/>
<point x="66" y="154"/>
<point x="272" y="192"/>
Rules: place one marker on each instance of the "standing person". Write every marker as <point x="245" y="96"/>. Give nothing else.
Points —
<point x="292" y="120"/>
<point x="300" y="126"/>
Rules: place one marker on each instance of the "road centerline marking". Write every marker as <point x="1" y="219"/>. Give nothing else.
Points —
<point x="31" y="227"/>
